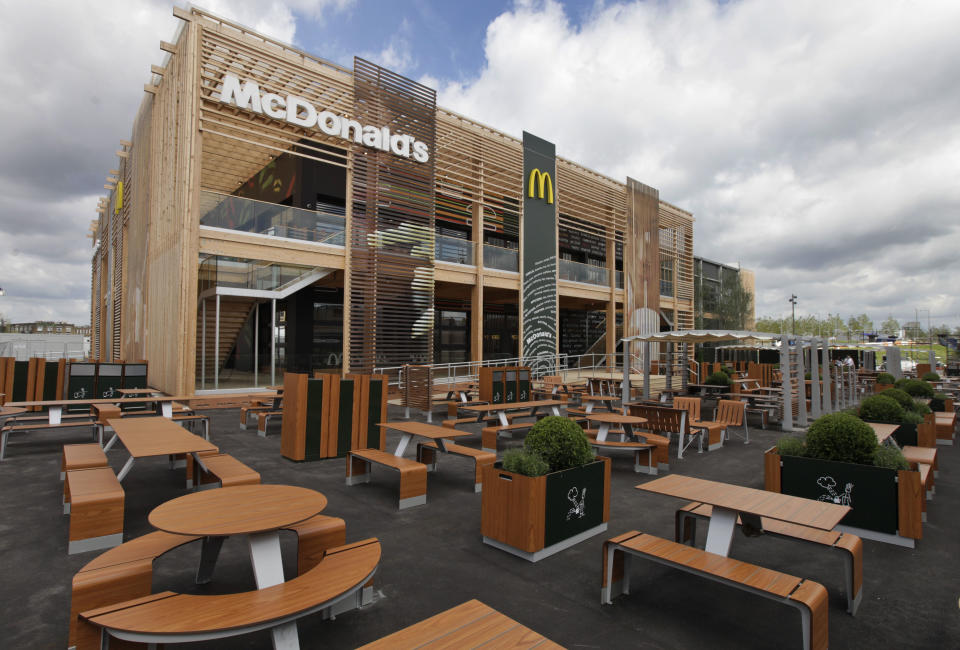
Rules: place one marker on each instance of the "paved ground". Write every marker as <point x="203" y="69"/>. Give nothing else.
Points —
<point x="433" y="558"/>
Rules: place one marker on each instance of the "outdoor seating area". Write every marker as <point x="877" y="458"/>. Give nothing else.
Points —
<point x="342" y="562"/>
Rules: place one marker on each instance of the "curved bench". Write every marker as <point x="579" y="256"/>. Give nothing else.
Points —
<point x="169" y="617"/>
<point x="125" y="572"/>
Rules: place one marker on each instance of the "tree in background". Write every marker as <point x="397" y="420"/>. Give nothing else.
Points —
<point x="890" y="327"/>
<point x="734" y="305"/>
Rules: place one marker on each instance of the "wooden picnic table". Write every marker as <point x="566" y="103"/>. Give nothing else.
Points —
<point x="55" y="407"/>
<point x="501" y="410"/>
<point x="133" y="392"/>
<point x="711" y="389"/>
<point x="592" y="400"/>
<point x="731" y="501"/>
<point x="625" y="421"/>
<point x="882" y="430"/>
<point x="472" y="624"/>
<point x="410" y="429"/>
<point x="154" y="436"/>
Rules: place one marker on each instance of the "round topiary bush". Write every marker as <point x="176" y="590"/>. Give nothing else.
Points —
<point x="727" y="370"/>
<point x="719" y="379"/>
<point x="930" y="376"/>
<point x="880" y="408"/>
<point x="916" y="387"/>
<point x="843" y="438"/>
<point x="791" y="446"/>
<point x="889" y="457"/>
<point x="560" y="442"/>
<point x="912" y="417"/>
<point x="885" y="379"/>
<point x="901" y="397"/>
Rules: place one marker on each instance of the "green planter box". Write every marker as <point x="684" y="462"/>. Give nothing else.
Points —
<point x="535" y="517"/>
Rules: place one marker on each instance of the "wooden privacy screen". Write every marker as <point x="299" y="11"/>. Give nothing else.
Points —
<point x="391" y="239"/>
<point x="502" y="384"/>
<point x="418" y="387"/>
<point x="329" y="416"/>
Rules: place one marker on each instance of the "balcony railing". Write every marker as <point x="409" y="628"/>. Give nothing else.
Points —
<point x="247" y="215"/>
<point x="239" y="273"/>
<point x="577" y="272"/>
<point x="452" y="249"/>
<point x="503" y="259"/>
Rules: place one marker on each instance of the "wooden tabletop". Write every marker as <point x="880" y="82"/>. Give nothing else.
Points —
<point x="883" y="430"/>
<point x="156" y="436"/>
<point x="238" y="510"/>
<point x="599" y="398"/>
<point x="423" y="429"/>
<point x="7" y="411"/>
<point x="513" y="405"/>
<point x="615" y="418"/>
<point x="472" y="624"/>
<point x="138" y="391"/>
<point x="782" y="507"/>
<point x="99" y="400"/>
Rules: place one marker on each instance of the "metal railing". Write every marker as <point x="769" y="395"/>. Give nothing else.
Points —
<point x="324" y="226"/>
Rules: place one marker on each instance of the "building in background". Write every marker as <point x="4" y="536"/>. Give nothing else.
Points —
<point x="724" y="296"/>
<point x="47" y="327"/>
<point x="274" y="211"/>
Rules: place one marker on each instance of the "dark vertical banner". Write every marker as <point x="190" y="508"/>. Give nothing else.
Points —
<point x="539" y="287"/>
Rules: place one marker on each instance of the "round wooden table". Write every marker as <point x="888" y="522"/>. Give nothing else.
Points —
<point x="606" y="419"/>
<point x="593" y="399"/>
<point x="257" y="511"/>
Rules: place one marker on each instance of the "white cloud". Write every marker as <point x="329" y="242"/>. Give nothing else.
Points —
<point x="815" y="142"/>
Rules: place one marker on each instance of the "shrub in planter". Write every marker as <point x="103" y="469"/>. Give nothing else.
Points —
<point x="885" y="379"/>
<point x="938" y="403"/>
<point x="880" y="408"/>
<point x="889" y="457"/>
<point x="921" y="408"/>
<point x="719" y="379"/>
<point x="525" y="462"/>
<point x="930" y="376"/>
<point x="841" y="437"/>
<point x="727" y="370"/>
<point x="791" y="446"/>
<point x="915" y="387"/>
<point x="560" y="442"/>
<point x="902" y="398"/>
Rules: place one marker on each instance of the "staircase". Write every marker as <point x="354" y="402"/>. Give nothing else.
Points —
<point x="234" y="314"/>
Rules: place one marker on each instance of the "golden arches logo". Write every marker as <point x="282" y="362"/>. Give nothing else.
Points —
<point x="540" y="180"/>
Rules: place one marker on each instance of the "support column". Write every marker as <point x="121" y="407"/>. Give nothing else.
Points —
<point x="814" y="380"/>
<point x="216" y="347"/>
<point x="669" y="370"/>
<point x="625" y="395"/>
<point x="273" y="342"/>
<point x="825" y="370"/>
<point x="476" y="293"/>
<point x="646" y="370"/>
<point x="785" y="387"/>
<point x="802" y="390"/>
<point x="685" y="370"/>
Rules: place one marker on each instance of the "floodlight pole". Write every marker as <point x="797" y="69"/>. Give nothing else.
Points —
<point x="793" y="313"/>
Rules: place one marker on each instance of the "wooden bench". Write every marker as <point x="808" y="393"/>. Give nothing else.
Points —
<point x="489" y="435"/>
<point x="809" y="597"/>
<point x="851" y="546"/>
<point x="472" y="625"/>
<point x="81" y="457"/>
<point x="169" y="617"/>
<point x="427" y="453"/>
<point x="946" y="422"/>
<point x="10" y="428"/>
<point x="193" y="418"/>
<point x="413" y="475"/>
<point x="668" y="422"/>
<point x="655" y="449"/>
<point x="922" y="455"/>
<point x="254" y="407"/>
<point x="223" y="470"/>
<point x="94" y="500"/>
<point x="125" y="572"/>
<point x="263" y="419"/>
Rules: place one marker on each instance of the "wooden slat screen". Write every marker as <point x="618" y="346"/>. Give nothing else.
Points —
<point x="392" y="226"/>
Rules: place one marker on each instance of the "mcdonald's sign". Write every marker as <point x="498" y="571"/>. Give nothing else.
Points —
<point x="539" y="180"/>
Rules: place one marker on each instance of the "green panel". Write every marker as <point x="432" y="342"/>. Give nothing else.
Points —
<point x="870" y="491"/>
<point x="81" y="381"/>
<point x="135" y="375"/>
<point x="21" y="371"/>
<point x="313" y="438"/>
<point x="497" y="387"/>
<point x="50" y="380"/>
<point x="574" y="502"/>
<point x="510" y="386"/>
<point x="109" y="380"/>
<point x="523" y="386"/>
<point x="374" y="415"/>
<point x="906" y="434"/>
<point x="345" y="419"/>
<point x="539" y="288"/>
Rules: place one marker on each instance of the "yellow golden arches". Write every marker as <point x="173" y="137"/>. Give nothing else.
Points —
<point x="544" y="180"/>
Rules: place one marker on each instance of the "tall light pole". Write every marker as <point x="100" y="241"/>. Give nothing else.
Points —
<point x="793" y="312"/>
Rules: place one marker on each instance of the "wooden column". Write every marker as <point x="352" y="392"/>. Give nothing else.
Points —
<point x="476" y="294"/>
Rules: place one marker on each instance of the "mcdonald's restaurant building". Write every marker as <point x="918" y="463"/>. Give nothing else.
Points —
<point x="273" y="211"/>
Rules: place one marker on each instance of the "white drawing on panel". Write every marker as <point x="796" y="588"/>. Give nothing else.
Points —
<point x="829" y="484"/>
<point x="579" y="509"/>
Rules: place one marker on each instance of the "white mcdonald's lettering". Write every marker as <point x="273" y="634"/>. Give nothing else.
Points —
<point x="297" y="110"/>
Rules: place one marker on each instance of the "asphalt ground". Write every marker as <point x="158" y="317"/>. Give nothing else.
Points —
<point x="433" y="556"/>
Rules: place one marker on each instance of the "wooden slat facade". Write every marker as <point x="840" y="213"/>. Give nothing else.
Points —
<point x="144" y="282"/>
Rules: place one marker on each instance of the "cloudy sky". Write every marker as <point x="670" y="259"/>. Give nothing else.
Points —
<point x="817" y="143"/>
